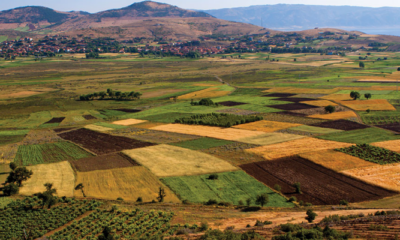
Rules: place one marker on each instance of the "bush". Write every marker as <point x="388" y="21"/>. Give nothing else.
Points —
<point x="241" y="203"/>
<point x="120" y="199"/>
<point x="211" y="202"/>
<point x="213" y="177"/>
<point x="11" y="189"/>
<point x="277" y="187"/>
<point x="204" y="227"/>
<point x="343" y="202"/>
<point x="330" y="109"/>
<point x="297" y="186"/>
<point x="139" y="200"/>
<point x="310" y="215"/>
<point x="292" y="199"/>
<point x="204" y="102"/>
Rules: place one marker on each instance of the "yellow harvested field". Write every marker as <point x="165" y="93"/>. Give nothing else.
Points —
<point x="60" y="174"/>
<point x="337" y="97"/>
<point x="335" y="115"/>
<point x="300" y="90"/>
<point x="205" y="93"/>
<point x="205" y="131"/>
<point x="320" y="103"/>
<point x="387" y="176"/>
<point x="128" y="122"/>
<point x="266" y="126"/>
<point x="295" y="147"/>
<point x="167" y="161"/>
<point x="374" y="104"/>
<point x="335" y="160"/>
<point x="98" y="128"/>
<point x="393" y="145"/>
<point x="148" y="125"/>
<point x="270" y="138"/>
<point x="20" y="94"/>
<point x="127" y="183"/>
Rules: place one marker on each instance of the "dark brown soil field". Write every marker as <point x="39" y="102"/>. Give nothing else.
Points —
<point x="128" y="110"/>
<point x="231" y="104"/>
<point x="395" y="127"/>
<point x="88" y="117"/>
<point x="101" y="143"/>
<point x="292" y="106"/>
<point x="294" y="99"/>
<point x="342" y="125"/>
<point x="319" y="185"/>
<point x="58" y="130"/>
<point x="56" y="120"/>
<point x="154" y="136"/>
<point x="104" y="162"/>
<point x="279" y="95"/>
<point x="318" y="110"/>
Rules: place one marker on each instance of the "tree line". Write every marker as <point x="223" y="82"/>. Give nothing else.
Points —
<point x="111" y="95"/>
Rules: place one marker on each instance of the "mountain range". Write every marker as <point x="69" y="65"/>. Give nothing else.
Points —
<point x="296" y="16"/>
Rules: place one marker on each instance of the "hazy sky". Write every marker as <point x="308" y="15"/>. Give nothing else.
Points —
<point x="100" y="5"/>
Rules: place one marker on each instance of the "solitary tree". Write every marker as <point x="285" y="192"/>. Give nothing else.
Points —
<point x="310" y="215"/>
<point x="47" y="196"/>
<point x="367" y="95"/>
<point x="361" y="64"/>
<point x="355" y="95"/>
<point x="13" y="166"/>
<point x="106" y="234"/>
<point x="80" y="187"/>
<point x="330" y="109"/>
<point x="297" y="187"/>
<point x="248" y="202"/>
<point x="161" y="195"/>
<point x="18" y="175"/>
<point x="398" y="69"/>
<point x="262" y="199"/>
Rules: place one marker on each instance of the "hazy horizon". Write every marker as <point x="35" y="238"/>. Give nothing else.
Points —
<point x="94" y="6"/>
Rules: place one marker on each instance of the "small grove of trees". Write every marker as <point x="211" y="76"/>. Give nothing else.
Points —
<point x="204" y="102"/>
<point x="47" y="197"/>
<point x="15" y="179"/>
<point x="111" y="95"/>
<point x="367" y="95"/>
<point x="92" y="55"/>
<point x="361" y="65"/>
<point x="330" y="109"/>
<point x="355" y="95"/>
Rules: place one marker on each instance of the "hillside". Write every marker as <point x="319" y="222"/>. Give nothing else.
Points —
<point x="286" y="16"/>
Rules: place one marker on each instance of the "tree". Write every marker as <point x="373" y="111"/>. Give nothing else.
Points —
<point x="361" y="64"/>
<point x="330" y="109"/>
<point x="106" y="234"/>
<point x="161" y="194"/>
<point x="47" y="196"/>
<point x="355" y="95"/>
<point x="13" y="166"/>
<point x="248" y="202"/>
<point x="367" y="95"/>
<point x="10" y="189"/>
<point x="80" y="187"/>
<point x="213" y="177"/>
<point x="262" y="199"/>
<point x="18" y="175"/>
<point x="310" y="215"/>
<point x="398" y="69"/>
<point x="297" y="187"/>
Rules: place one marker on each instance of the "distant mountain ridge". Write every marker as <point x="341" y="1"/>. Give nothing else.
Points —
<point x="285" y="16"/>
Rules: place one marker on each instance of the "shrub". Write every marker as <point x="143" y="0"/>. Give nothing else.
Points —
<point x="297" y="186"/>
<point x="120" y="199"/>
<point x="343" y="202"/>
<point x="211" y="202"/>
<point x="139" y="200"/>
<point x="310" y="215"/>
<point x="213" y="177"/>
<point x="241" y="203"/>
<point x="330" y="109"/>
<point x="292" y="199"/>
<point x="11" y="189"/>
<point x="277" y="187"/>
<point x="203" y="227"/>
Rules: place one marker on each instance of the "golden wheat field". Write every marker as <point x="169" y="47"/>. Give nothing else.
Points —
<point x="387" y="176"/>
<point x="205" y="131"/>
<point x="300" y="90"/>
<point x="337" y="97"/>
<point x="375" y="104"/>
<point x="166" y="161"/>
<point x="335" y="115"/>
<point x="320" y="103"/>
<point x="393" y="145"/>
<point x="205" y="93"/>
<point x="266" y="126"/>
<point x="128" y="122"/>
<point x="127" y="183"/>
<point x="270" y="138"/>
<point x="335" y="160"/>
<point x="295" y="147"/>
<point x="98" y="128"/>
<point x="60" y="174"/>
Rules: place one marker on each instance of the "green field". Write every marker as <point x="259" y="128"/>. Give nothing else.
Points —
<point x="202" y="143"/>
<point x="49" y="153"/>
<point x="315" y="130"/>
<point x="229" y="187"/>
<point x="360" y="136"/>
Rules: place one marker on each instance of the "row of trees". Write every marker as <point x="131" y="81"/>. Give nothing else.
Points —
<point x="356" y="95"/>
<point x="111" y="95"/>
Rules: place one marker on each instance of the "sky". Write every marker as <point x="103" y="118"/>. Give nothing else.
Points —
<point x="101" y="5"/>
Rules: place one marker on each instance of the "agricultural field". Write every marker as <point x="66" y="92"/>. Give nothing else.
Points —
<point x="202" y="143"/>
<point x="166" y="161"/>
<point x="266" y="126"/>
<point x="319" y="185"/>
<point x="360" y="136"/>
<point x="372" y="154"/>
<point x="60" y="174"/>
<point x="230" y="187"/>
<point x="104" y="162"/>
<point x="49" y="153"/>
<point x="127" y="183"/>
<point x="101" y="143"/>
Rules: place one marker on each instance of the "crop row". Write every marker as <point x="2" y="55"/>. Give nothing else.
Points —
<point x="380" y="120"/>
<point x="220" y="120"/>
<point x="372" y="154"/>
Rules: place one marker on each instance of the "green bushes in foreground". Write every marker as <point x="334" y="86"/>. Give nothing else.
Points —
<point x="372" y="154"/>
<point x="219" y="120"/>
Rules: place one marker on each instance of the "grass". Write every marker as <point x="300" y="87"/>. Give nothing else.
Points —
<point x="4" y="201"/>
<point x="13" y="132"/>
<point x="230" y="187"/>
<point x="166" y="161"/>
<point x="110" y="125"/>
<point x="202" y="143"/>
<point x="127" y="183"/>
<point x="48" y="153"/>
<point x="360" y="136"/>
<point x="5" y="139"/>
